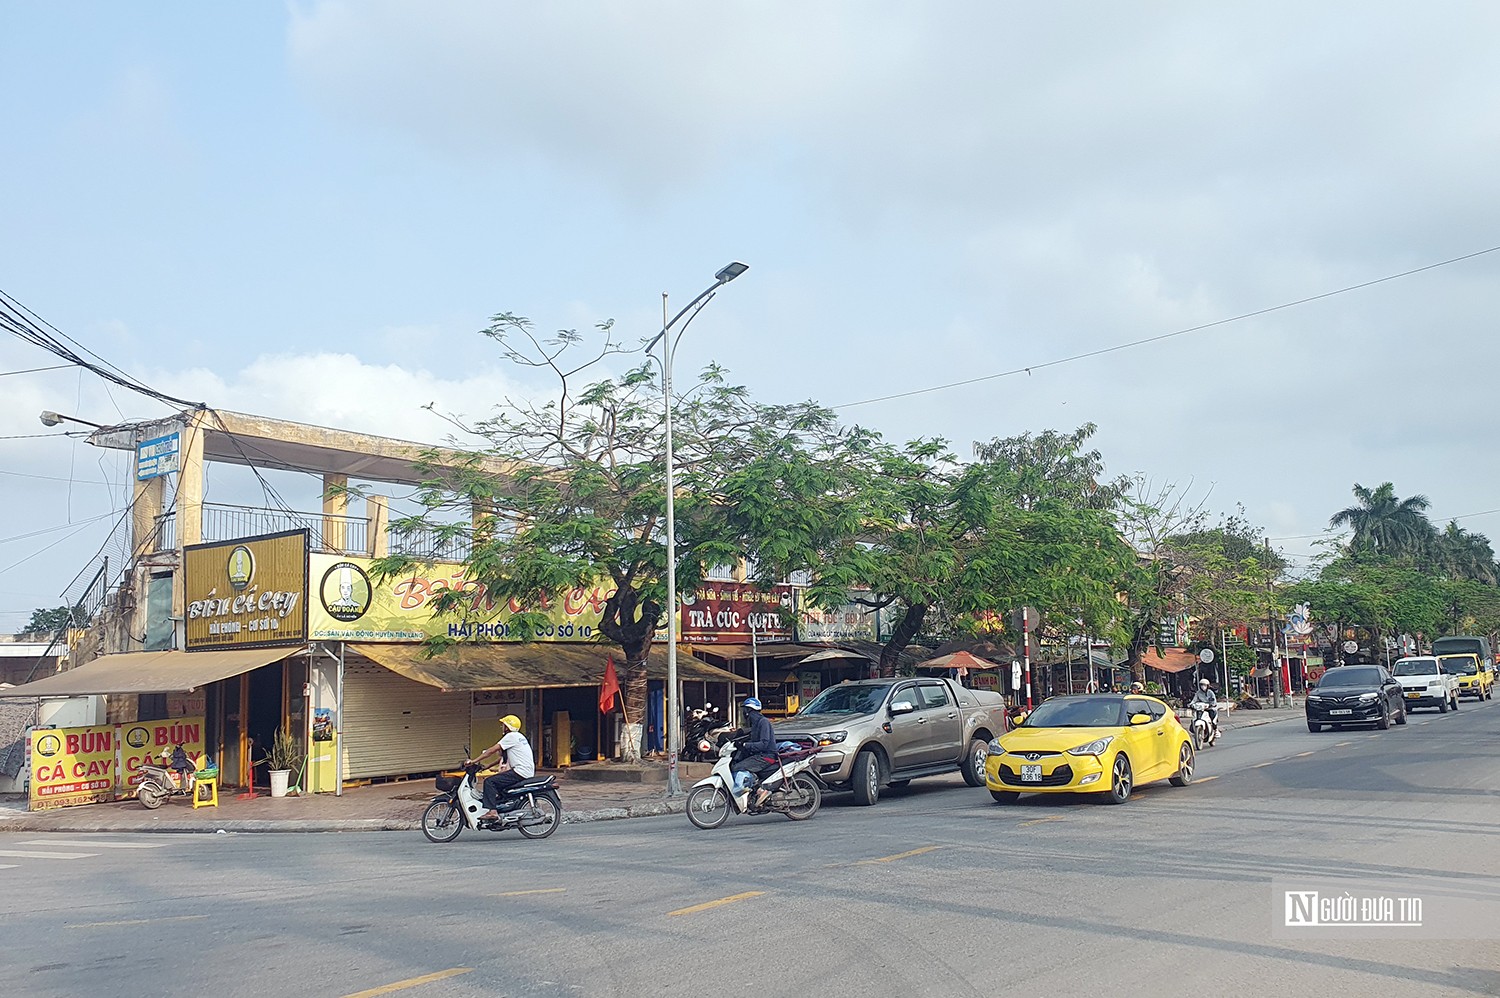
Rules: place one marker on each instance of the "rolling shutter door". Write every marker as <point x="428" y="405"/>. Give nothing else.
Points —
<point x="394" y="726"/>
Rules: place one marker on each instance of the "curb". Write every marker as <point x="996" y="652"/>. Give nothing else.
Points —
<point x="27" y="823"/>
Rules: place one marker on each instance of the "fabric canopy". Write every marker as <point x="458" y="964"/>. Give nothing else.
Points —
<point x="959" y="660"/>
<point x="524" y="666"/>
<point x="1170" y="660"/>
<point x="151" y="672"/>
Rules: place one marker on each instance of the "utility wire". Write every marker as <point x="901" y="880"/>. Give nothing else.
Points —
<point x="1167" y="336"/>
<point x="34" y="370"/>
<point x="1434" y="519"/>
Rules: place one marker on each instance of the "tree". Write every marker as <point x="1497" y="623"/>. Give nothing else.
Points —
<point x="1053" y="465"/>
<point x="50" y="621"/>
<point x="584" y="497"/>
<point x="1386" y="525"/>
<point x="1459" y="554"/>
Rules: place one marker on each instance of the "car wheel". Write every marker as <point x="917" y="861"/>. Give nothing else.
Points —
<point x="1122" y="781"/>
<point x="866" y="778"/>
<point x="1005" y="796"/>
<point x="1185" y="759"/>
<point x="1314" y="727"/>
<point x="979" y="750"/>
<point x="1384" y="721"/>
<point x="1443" y="707"/>
<point x="1455" y="701"/>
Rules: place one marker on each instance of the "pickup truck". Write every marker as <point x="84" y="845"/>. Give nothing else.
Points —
<point x="888" y="732"/>
<point x="1425" y="683"/>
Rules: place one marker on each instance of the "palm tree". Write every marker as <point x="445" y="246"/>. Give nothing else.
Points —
<point x="1386" y="525"/>
<point x="1459" y="554"/>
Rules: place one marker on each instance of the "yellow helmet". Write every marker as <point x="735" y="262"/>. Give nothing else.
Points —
<point x="511" y="721"/>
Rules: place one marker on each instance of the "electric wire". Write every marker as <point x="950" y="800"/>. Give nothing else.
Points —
<point x="1166" y="336"/>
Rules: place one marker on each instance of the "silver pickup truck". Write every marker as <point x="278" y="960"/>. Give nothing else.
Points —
<point x="887" y="732"/>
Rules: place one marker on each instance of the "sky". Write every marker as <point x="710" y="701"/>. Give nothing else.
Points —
<point x="307" y="210"/>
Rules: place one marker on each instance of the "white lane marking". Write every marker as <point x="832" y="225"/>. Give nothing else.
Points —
<point x="25" y="854"/>
<point x="7" y="866"/>
<point x="90" y="843"/>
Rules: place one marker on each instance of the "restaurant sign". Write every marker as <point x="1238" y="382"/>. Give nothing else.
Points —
<point x="351" y="603"/>
<point x="730" y="612"/>
<point x="849" y="622"/>
<point x="102" y="762"/>
<point x="249" y="593"/>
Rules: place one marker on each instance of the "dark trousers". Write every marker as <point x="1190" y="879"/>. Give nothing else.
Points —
<point x="495" y="787"/>
<point x="755" y="766"/>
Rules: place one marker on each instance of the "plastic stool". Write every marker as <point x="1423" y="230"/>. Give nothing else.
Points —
<point x="206" y="792"/>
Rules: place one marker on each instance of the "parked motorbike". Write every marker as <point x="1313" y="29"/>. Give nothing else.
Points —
<point x="174" y="777"/>
<point x="1205" y="729"/>
<point x="531" y="807"/>
<point x="795" y="792"/>
<point x="703" y="725"/>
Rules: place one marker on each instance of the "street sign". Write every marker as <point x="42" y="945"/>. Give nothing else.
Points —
<point x="157" y="456"/>
<point x="1206" y="656"/>
<point x="1351" y="647"/>
<point x="1015" y="675"/>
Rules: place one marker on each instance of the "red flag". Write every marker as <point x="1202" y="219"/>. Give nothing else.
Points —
<point x="610" y="688"/>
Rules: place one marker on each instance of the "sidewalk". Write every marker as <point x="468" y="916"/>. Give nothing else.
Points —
<point x="386" y="807"/>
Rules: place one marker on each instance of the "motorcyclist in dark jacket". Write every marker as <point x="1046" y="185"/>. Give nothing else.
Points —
<point x="757" y="752"/>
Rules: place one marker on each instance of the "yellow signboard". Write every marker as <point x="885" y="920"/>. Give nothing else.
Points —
<point x="250" y="593"/>
<point x="102" y="762"/>
<point x="349" y="604"/>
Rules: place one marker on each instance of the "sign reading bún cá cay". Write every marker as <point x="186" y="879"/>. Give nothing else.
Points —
<point x="102" y="762"/>
<point x="249" y="593"/>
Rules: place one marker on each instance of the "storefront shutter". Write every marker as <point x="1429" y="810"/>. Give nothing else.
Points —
<point x="394" y="726"/>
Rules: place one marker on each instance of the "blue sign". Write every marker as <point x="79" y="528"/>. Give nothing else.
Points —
<point x="157" y="457"/>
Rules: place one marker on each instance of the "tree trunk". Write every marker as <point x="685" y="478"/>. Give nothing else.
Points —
<point x="1139" y="642"/>
<point x="911" y="624"/>
<point x="631" y="623"/>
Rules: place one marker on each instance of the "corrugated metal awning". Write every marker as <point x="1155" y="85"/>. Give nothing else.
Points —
<point x="525" y="666"/>
<point x="151" y="672"/>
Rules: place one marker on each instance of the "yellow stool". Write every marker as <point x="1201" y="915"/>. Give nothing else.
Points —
<point x="206" y="792"/>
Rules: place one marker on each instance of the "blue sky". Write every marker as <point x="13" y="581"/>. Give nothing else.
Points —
<point x="306" y="211"/>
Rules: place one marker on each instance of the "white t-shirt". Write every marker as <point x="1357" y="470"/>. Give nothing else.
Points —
<point x="518" y="753"/>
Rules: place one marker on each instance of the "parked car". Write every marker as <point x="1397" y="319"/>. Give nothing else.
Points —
<point x="1105" y="743"/>
<point x="1426" y="683"/>
<point x="887" y="732"/>
<point x="1355" y="694"/>
<point x="1475" y="678"/>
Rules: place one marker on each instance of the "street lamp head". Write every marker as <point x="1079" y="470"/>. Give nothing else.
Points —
<point x="730" y="271"/>
<point x="50" y="418"/>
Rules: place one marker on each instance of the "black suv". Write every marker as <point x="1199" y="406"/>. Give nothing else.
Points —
<point x="1355" y="694"/>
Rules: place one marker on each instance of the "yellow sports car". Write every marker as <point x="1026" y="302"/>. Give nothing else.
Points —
<point x="1107" y="743"/>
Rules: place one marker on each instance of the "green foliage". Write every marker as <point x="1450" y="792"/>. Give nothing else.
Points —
<point x="51" y="621"/>
<point x="283" y="752"/>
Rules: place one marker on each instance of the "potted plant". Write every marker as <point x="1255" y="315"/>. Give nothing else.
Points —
<point x="280" y="758"/>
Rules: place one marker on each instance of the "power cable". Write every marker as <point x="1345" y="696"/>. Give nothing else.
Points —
<point x="34" y="370"/>
<point x="1167" y="336"/>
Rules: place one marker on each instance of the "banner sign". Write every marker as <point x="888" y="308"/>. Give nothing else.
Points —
<point x="250" y="593"/>
<point x="157" y="456"/>
<point x="728" y="611"/>
<point x="850" y="622"/>
<point x="102" y="762"/>
<point x="349" y="604"/>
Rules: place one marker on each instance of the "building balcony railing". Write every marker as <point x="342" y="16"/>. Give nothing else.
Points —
<point x="328" y="533"/>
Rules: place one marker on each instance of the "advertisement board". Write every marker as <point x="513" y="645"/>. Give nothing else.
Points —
<point x="728" y="611"/>
<point x="102" y="762"/>
<point x="349" y="602"/>
<point x="850" y="622"/>
<point x="249" y="593"/>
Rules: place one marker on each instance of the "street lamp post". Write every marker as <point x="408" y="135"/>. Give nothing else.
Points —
<point x="54" y="418"/>
<point x="668" y="346"/>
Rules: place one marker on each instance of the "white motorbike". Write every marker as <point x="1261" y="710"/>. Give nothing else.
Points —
<point x="1205" y="729"/>
<point x="795" y="792"/>
<point x="531" y="807"/>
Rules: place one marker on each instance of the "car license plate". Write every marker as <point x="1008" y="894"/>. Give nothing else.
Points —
<point x="1338" y="712"/>
<point x="1031" y="774"/>
<point x="1413" y="696"/>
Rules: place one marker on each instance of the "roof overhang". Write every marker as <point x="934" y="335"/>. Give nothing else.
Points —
<point x="151" y="672"/>
<point x="516" y="666"/>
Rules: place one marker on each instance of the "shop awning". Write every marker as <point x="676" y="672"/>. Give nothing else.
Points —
<point x="526" y="666"/>
<point x="1170" y="660"/>
<point x="744" y="653"/>
<point x="151" y="672"/>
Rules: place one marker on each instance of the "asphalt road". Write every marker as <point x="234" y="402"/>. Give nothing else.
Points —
<point x="935" y="891"/>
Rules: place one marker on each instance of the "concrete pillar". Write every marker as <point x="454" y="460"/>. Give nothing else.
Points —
<point x="146" y="506"/>
<point x="335" y="508"/>
<point x="378" y="509"/>
<point x="190" y="483"/>
<point x="482" y="519"/>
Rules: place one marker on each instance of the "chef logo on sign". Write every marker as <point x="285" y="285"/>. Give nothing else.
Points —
<point x="241" y="567"/>
<point x="345" y="592"/>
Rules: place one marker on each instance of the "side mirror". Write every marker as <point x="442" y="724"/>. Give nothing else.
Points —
<point x="902" y="707"/>
<point x="1019" y="719"/>
<point x="1140" y="719"/>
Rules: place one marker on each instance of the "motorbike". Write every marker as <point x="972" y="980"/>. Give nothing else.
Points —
<point x="1206" y="731"/>
<point x="795" y="792"/>
<point x="531" y="807"/>
<point x="703" y="723"/>
<point x="174" y="777"/>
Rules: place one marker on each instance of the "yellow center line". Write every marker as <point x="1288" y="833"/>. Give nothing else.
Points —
<point x="1206" y="779"/>
<point x="1301" y="755"/>
<point x="714" y="904"/>
<point x="1263" y="765"/>
<point x="136" y="921"/>
<point x="1341" y="744"/>
<point x="899" y="855"/>
<point x="516" y="894"/>
<point x="411" y="982"/>
<point x="1038" y="821"/>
